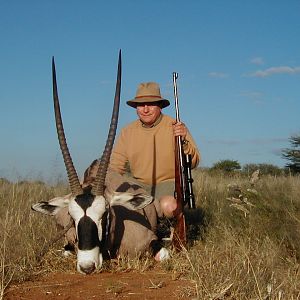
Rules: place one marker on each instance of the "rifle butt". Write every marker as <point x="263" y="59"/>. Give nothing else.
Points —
<point x="179" y="238"/>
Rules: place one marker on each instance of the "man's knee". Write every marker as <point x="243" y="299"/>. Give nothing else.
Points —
<point x="168" y="205"/>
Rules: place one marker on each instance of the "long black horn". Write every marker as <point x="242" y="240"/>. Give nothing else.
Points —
<point x="72" y="175"/>
<point x="98" y="187"/>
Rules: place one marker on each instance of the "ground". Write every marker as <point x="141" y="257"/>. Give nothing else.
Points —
<point x="152" y="284"/>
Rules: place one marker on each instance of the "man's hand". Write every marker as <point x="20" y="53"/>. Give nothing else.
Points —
<point x="179" y="129"/>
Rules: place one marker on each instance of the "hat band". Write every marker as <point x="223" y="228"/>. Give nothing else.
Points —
<point x="148" y="96"/>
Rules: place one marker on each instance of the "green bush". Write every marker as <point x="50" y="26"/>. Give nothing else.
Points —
<point x="226" y="165"/>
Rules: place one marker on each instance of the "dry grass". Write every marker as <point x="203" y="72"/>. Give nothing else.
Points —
<point x="252" y="255"/>
<point x="22" y="233"/>
<point x="246" y="239"/>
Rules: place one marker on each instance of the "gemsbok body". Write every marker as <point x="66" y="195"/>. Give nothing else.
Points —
<point x="111" y="216"/>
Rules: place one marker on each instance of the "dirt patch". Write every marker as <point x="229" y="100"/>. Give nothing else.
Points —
<point x="154" y="284"/>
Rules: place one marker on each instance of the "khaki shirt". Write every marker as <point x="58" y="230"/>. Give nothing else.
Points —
<point x="150" y="152"/>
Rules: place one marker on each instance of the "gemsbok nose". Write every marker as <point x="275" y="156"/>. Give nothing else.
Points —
<point x="88" y="269"/>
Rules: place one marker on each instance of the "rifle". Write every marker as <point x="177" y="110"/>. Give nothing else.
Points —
<point x="183" y="182"/>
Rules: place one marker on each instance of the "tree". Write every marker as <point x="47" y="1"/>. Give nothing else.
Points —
<point x="293" y="154"/>
<point x="226" y="165"/>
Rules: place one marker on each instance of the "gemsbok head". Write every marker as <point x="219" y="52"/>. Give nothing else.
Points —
<point x="87" y="206"/>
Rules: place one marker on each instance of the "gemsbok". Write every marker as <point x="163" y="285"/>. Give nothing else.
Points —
<point x="108" y="221"/>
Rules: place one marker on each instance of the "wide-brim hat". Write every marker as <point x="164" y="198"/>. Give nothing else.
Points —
<point x="148" y="92"/>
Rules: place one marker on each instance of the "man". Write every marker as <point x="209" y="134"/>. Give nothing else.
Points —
<point x="148" y="145"/>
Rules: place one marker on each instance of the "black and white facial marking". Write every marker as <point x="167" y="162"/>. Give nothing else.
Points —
<point x="87" y="211"/>
<point x="90" y="213"/>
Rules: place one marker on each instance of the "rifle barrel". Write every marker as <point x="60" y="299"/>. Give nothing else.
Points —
<point x="175" y="76"/>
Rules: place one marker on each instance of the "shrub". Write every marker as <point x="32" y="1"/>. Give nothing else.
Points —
<point x="226" y="165"/>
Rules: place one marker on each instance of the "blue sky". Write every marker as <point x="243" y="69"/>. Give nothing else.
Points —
<point x="238" y="65"/>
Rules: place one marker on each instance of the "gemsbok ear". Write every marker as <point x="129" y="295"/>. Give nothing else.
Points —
<point x="130" y="200"/>
<point x="53" y="206"/>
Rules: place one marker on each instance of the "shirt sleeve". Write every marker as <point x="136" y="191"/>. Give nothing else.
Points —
<point x="119" y="156"/>
<point x="190" y="147"/>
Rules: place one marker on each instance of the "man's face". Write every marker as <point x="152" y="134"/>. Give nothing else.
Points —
<point x="148" y="112"/>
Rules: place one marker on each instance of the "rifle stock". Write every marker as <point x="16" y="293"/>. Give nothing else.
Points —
<point x="179" y="239"/>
